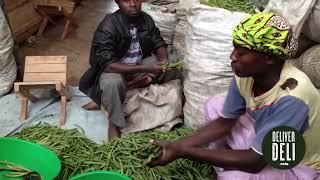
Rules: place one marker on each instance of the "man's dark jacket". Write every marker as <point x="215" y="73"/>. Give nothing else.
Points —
<point x="111" y="42"/>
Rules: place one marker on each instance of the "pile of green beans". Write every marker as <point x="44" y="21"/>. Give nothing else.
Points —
<point x="70" y="145"/>
<point x="128" y="155"/>
<point x="246" y="6"/>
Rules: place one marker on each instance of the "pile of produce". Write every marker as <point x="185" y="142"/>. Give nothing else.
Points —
<point x="128" y="155"/>
<point x="246" y="6"/>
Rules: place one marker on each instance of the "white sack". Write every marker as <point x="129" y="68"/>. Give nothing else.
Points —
<point x="170" y="4"/>
<point x="207" y="60"/>
<point x="183" y="7"/>
<point x="295" y="12"/>
<point x="164" y="20"/>
<point x="179" y="43"/>
<point x="309" y="63"/>
<point x="260" y="4"/>
<point x="162" y="2"/>
<point x="312" y="26"/>
<point x="8" y="69"/>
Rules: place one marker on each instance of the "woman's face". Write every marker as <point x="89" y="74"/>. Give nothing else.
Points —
<point x="247" y="63"/>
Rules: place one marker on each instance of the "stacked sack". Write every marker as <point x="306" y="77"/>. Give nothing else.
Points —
<point x="169" y="4"/>
<point x="296" y="12"/>
<point x="304" y="17"/>
<point x="312" y="26"/>
<point x="207" y="57"/>
<point x="181" y="28"/>
<point x="164" y="19"/>
<point x="8" y="69"/>
<point x="309" y="63"/>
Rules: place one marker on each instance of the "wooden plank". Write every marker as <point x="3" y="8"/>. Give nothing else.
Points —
<point x="28" y="87"/>
<point x="63" y="110"/>
<point x="34" y="77"/>
<point x="46" y="60"/>
<point x="37" y="83"/>
<point x="50" y="68"/>
<point x="24" y="108"/>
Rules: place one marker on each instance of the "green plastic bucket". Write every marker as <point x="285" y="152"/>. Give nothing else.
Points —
<point x="29" y="155"/>
<point x="101" y="175"/>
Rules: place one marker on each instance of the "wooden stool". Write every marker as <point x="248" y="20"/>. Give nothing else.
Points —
<point x="43" y="72"/>
<point x="48" y="8"/>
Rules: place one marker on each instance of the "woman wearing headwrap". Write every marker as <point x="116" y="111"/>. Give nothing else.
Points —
<point x="265" y="93"/>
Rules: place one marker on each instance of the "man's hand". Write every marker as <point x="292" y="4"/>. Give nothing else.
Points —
<point x="156" y="68"/>
<point x="164" y="61"/>
<point x="170" y="152"/>
<point x="243" y="160"/>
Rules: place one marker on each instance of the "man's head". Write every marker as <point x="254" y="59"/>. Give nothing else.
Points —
<point x="131" y="8"/>
<point x="261" y="40"/>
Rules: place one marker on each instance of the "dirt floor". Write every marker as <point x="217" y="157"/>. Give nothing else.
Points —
<point x="76" y="46"/>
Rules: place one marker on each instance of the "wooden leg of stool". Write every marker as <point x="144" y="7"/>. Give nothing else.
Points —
<point x="63" y="110"/>
<point x="46" y="19"/>
<point x="66" y="30"/>
<point x="43" y="26"/>
<point x="24" y="108"/>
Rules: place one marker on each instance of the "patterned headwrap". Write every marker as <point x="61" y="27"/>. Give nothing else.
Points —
<point x="266" y="32"/>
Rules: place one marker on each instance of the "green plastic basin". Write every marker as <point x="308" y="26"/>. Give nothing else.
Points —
<point x="101" y="175"/>
<point x="29" y="155"/>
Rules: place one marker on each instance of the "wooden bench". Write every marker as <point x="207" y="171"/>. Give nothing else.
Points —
<point x="48" y="8"/>
<point x="43" y="72"/>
